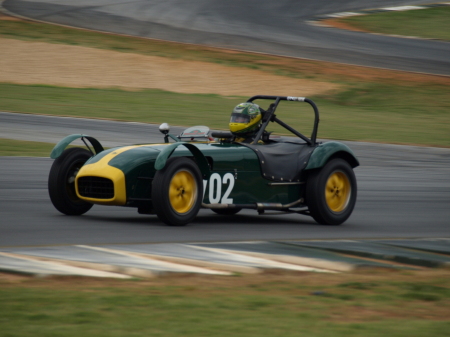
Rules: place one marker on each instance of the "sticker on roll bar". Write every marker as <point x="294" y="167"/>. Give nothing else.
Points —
<point x="300" y="99"/>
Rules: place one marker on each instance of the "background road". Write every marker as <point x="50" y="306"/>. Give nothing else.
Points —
<point x="403" y="192"/>
<point x="276" y="27"/>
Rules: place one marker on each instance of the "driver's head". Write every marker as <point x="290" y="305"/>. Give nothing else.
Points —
<point x="245" y="119"/>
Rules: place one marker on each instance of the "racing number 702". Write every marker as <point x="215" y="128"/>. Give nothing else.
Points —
<point x="215" y="188"/>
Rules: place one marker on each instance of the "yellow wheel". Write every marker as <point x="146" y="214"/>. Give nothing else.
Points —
<point x="177" y="191"/>
<point x="337" y="192"/>
<point x="182" y="191"/>
<point x="331" y="192"/>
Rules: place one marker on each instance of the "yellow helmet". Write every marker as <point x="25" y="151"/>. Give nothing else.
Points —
<point x="245" y="119"/>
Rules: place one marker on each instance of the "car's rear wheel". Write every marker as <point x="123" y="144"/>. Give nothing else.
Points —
<point x="226" y="211"/>
<point x="177" y="191"/>
<point x="61" y="182"/>
<point x="331" y="193"/>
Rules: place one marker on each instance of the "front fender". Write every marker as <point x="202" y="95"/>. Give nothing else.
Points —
<point x="63" y="143"/>
<point x="325" y="151"/>
<point x="202" y="162"/>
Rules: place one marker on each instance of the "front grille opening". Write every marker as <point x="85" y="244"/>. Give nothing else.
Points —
<point x="95" y="187"/>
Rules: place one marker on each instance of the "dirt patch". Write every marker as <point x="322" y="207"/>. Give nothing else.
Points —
<point x="337" y="23"/>
<point x="25" y="62"/>
<point x="95" y="68"/>
<point x="344" y="72"/>
<point x="8" y="18"/>
<point x="276" y="277"/>
<point x="12" y="279"/>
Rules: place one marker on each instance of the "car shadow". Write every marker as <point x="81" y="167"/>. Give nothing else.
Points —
<point x="207" y="219"/>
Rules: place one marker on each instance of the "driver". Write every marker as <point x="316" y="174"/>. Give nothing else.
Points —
<point x="246" y="119"/>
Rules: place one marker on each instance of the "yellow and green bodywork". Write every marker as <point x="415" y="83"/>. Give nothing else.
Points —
<point x="231" y="172"/>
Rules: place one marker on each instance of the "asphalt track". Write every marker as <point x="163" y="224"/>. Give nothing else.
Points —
<point x="403" y="192"/>
<point x="276" y="27"/>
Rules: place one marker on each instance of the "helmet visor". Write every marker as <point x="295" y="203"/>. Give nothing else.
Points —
<point x="239" y="118"/>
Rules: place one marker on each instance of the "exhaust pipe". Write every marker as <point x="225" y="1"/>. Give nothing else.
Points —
<point x="258" y="206"/>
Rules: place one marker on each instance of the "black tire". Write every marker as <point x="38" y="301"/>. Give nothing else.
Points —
<point x="177" y="191"/>
<point x="226" y="211"/>
<point x="331" y="193"/>
<point x="61" y="182"/>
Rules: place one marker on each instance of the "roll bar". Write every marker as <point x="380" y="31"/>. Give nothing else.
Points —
<point x="269" y="116"/>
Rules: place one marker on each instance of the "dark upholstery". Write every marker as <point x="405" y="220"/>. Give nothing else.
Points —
<point x="282" y="161"/>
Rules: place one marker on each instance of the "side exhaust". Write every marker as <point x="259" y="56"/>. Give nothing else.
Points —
<point x="260" y="207"/>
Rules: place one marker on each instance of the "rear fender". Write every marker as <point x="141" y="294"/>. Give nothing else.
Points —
<point x="201" y="160"/>
<point x="324" y="152"/>
<point x="61" y="146"/>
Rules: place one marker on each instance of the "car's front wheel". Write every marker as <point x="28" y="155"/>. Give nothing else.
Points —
<point x="61" y="182"/>
<point x="177" y="191"/>
<point x="331" y="193"/>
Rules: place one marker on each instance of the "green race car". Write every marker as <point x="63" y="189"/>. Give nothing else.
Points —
<point x="226" y="172"/>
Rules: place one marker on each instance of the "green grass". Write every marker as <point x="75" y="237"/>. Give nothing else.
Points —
<point x="364" y="112"/>
<point x="23" y="148"/>
<point x="301" y="304"/>
<point x="388" y="114"/>
<point x="10" y="147"/>
<point x="433" y="23"/>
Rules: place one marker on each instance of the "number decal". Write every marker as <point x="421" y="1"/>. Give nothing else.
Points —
<point x="215" y="188"/>
<point x="205" y="182"/>
<point x="215" y="184"/>
<point x="230" y="178"/>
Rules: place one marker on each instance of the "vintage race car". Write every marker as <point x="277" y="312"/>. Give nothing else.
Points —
<point x="212" y="170"/>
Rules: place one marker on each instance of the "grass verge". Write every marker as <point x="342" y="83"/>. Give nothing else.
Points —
<point x="364" y="112"/>
<point x="432" y="23"/>
<point x="23" y="148"/>
<point x="270" y="304"/>
<point x="11" y="147"/>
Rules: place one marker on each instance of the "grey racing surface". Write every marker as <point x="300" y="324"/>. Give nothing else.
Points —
<point x="403" y="192"/>
<point x="276" y="27"/>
